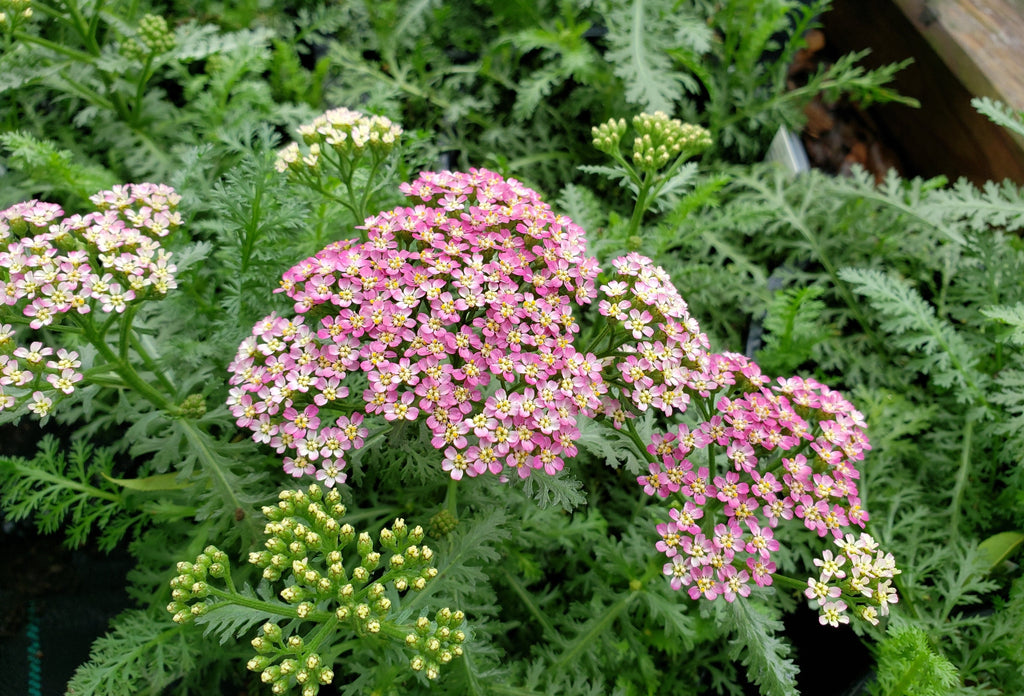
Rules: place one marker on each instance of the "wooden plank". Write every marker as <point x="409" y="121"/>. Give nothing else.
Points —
<point x="946" y="135"/>
<point x="982" y="42"/>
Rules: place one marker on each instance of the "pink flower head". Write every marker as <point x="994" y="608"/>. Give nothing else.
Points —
<point x="476" y="280"/>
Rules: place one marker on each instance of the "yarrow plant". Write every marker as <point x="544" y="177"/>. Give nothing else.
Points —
<point x="657" y="161"/>
<point x="336" y="583"/>
<point x="724" y="469"/>
<point x="457" y="312"/>
<point x="14" y="14"/>
<point x="483" y="416"/>
<point x="80" y="273"/>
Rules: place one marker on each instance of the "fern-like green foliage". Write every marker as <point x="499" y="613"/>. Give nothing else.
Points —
<point x="74" y="491"/>
<point x="1011" y="316"/>
<point x="937" y="348"/>
<point x="569" y="56"/>
<point x="50" y="171"/>
<point x="616" y="447"/>
<point x="764" y="654"/>
<point x="793" y="326"/>
<point x="644" y="38"/>
<point x="748" y="98"/>
<point x="994" y="206"/>
<point x="1013" y="610"/>
<point x="144" y="653"/>
<point x="1000" y="113"/>
<point x="230" y="485"/>
<point x="1009" y="397"/>
<point x="258" y="222"/>
<point x="194" y="41"/>
<point x="907" y="664"/>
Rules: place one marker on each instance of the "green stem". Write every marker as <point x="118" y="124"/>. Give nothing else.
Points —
<point x="451" y="500"/>
<point x="586" y="640"/>
<point x="666" y="176"/>
<point x="324" y="630"/>
<point x="42" y="475"/>
<point x="21" y="320"/>
<point x="788" y="582"/>
<point x="83" y="28"/>
<point x="232" y="597"/>
<point x="629" y="169"/>
<point x="140" y="90"/>
<point x="597" y="341"/>
<point x="94" y="23"/>
<point x="73" y="53"/>
<point x="124" y="335"/>
<point x="547" y="628"/>
<point x="961" y="478"/>
<point x="122" y="367"/>
<point x="151" y="365"/>
<point x="635" y="437"/>
<point x="640" y="208"/>
<point x="319" y="188"/>
<point x="200" y="445"/>
<point x="364" y="200"/>
<point x="98" y="376"/>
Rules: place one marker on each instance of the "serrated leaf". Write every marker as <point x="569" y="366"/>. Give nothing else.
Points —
<point x="939" y="350"/>
<point x="225" y="621"/>
<point x="1011" y="316"/>
<point x="640" y="33"/>
<point x="142" y="653"/>
<point x="615" y="447"/>
<point x="1000" y="113"/>
<point x="196" y="41"/>
<point x="758" y="645"/>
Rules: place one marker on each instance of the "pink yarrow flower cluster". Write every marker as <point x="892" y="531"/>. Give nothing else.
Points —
<point x="758" y="454"/>
<point x="456" y="311"/>
<point x="721" y="534"/>
<point x="54" y="266"/>
<point x="663" y="352"/>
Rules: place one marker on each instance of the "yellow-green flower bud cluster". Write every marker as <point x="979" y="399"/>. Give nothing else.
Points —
<point x="285" y="663"/>
<point x="661" y="140"/>
<point x="442" y="524"/>
<point x="190" y="590"/>
<point x="608" y="135"/>
<point x="193" y="406"/>
<point x="340" y="137"/>
<point x="155" y="34"/>
<point x="309" y="543"/>
<point x="332" y="576"/>
<point x="153" y="37"/>
<point x="436" y="643"/>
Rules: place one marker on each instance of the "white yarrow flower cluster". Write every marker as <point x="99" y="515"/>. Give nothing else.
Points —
<point x="861" y="574"/>
<point x="341" y="132"/>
